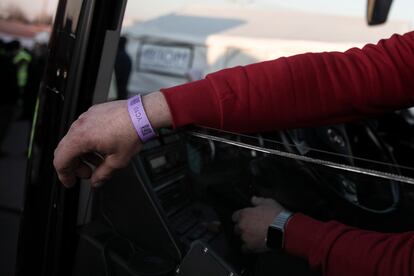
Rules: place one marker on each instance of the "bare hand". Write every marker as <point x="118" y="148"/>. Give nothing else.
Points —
<point x="104" y="130"/>
<point x="252" y="223"/>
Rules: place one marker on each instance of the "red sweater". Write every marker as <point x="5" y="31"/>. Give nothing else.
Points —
<point x="309" y="90"/>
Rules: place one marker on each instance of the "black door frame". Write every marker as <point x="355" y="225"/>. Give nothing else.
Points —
<point x="81" y="55"/>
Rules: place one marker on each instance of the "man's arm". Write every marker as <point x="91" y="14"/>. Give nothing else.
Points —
<point x="336" y="249"/>
<point x="331" y="248"/>
<point x="304" y="90"/>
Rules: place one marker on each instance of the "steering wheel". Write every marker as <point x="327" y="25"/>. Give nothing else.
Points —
<point x="349" y="144"/>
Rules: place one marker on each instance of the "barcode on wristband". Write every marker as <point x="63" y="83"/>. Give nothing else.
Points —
<point x="134" y="101"/>
<point x="146" y="130"/>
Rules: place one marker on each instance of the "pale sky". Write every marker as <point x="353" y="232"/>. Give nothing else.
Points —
<point x="401" y="9"/>
<point x="145" y="9"/>
<point x="32" y="8"/>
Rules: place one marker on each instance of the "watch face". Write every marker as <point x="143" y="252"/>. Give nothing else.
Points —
<point x="274" y="238"/>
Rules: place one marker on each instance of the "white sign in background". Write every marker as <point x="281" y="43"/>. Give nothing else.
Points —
<point x="164" y="59"/>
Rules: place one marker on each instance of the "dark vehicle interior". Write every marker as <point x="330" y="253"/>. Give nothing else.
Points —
<point x="169" y="211"/>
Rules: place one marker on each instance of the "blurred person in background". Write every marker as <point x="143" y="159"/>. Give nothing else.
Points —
<point x="21" y="60"/>
<point x="10" y="91"/>
<point x="8" y="87"/>
<point x="2" y="49"/>
<point x="3" y="102"/>
<point x="123" y="66"/>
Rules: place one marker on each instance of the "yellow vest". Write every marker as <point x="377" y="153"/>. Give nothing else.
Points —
<point x="22" y="60"/>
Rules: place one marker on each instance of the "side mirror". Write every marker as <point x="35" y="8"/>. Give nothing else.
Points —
<point x="377" y="11"/>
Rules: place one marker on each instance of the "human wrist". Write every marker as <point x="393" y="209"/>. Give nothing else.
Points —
<point x="140" y="120"/>
<point x="298" y="241"/>
<point x="276" y="230"/>
<point x="148" y="113"/>
<point x="157" y="110"/>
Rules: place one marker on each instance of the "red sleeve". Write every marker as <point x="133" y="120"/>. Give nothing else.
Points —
<point x="303" y="90"/>
<point x="336" y="249"/>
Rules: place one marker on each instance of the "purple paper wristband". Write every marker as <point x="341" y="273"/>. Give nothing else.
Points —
<point x="139" y="119"/>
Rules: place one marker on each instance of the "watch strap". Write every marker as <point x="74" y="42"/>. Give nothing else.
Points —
<point x="281" y="220"/>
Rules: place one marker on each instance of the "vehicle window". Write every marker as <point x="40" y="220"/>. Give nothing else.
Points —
<point x="71" y="16"/>
<point x="200" y="177"/>
<point x="185" y="40"/>
<point x="167" y="45"/>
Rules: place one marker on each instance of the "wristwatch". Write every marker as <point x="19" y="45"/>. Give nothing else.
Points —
<point x="275" y="231"/>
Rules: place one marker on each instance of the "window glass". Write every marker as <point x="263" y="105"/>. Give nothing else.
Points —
<point x="167" y="44"/>
<point x="171" y="43"/>
<point x="71" y="16"/>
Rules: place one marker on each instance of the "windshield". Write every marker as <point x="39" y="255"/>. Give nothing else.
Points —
<point x="169" y="44"/>
<point x="188" y="182"/>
